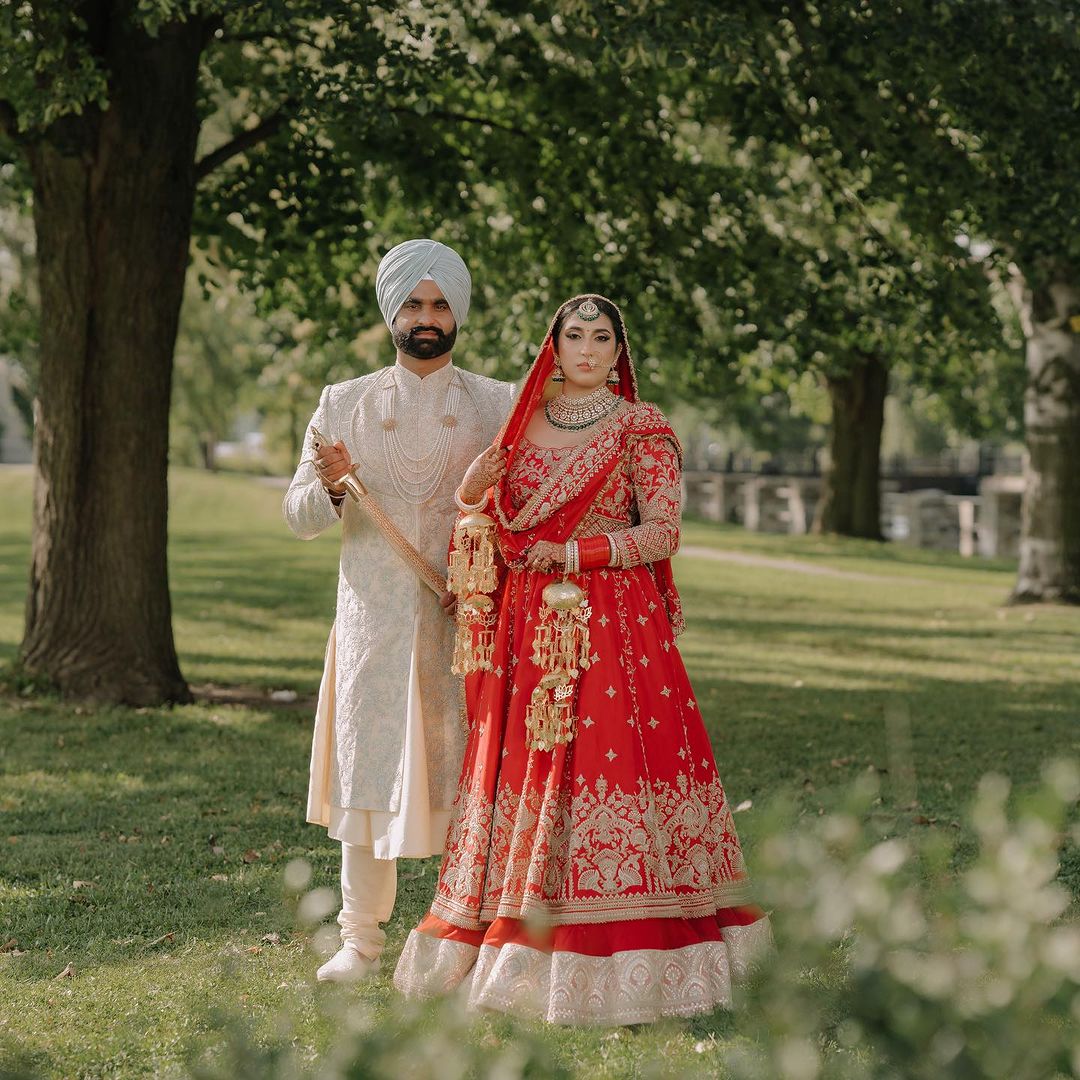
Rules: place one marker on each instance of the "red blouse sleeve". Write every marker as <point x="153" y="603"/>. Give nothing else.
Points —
<point x="657" y="483"/>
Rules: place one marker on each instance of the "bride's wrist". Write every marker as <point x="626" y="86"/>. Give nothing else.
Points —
<point x="467" y="500"/>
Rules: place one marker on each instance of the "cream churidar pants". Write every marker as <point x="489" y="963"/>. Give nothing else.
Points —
<point x="368" y="889"/>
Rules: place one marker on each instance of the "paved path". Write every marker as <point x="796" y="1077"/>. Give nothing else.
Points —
<point x="796" y="566"/>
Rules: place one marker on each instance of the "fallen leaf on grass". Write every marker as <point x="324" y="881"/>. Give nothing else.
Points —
<point x="67" y="973"/>
<point x="271" y="939"/>
<point x="169" y="937"/>
<point x="744" y="805"/>
<point x="219" y="877"/>
<point x="217" y="849"/>
<point x="251" y="855"/>
<point x="8" y="946"/>
<point x="254" y="949"/>
<point x="84" y="884"/>
<point x="922" y="819"/>
<point x="840" y="762"/>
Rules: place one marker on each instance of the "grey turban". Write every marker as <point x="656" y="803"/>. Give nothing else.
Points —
<point x="402" y="267"/>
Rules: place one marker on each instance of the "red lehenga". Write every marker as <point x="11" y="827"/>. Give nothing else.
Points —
<point x="600" y="881"/>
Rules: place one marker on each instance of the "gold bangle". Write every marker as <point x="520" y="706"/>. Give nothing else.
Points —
<point x="470" y="508"/>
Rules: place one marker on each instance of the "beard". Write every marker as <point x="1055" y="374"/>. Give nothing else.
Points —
<point x="424" y="348"/>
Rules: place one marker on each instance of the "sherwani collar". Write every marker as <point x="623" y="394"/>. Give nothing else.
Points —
<point x="407" y="379"/>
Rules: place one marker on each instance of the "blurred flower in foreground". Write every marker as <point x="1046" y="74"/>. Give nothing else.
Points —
<point x="890" y="964"/>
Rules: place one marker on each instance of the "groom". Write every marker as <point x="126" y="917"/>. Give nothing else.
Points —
<point x="388" y="741"/>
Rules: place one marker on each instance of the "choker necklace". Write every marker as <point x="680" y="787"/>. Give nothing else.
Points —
<point x="578" y="413"/>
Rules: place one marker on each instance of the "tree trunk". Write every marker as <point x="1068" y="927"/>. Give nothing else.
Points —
<point x="113" y="195"/>
<point x="1050" y="526"/>
<point x="851" y="496"/>
<point x="208" y="450"/>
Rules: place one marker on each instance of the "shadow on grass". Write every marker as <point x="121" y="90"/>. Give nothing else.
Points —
<point x="135" y="803"/>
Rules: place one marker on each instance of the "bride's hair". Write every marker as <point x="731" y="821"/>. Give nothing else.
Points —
<point x="605" y="306"/>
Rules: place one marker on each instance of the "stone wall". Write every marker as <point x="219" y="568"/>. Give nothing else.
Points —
<point x="987" y="524"/>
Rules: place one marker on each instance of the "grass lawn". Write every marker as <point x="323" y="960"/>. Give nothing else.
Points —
<point x="145" y="847"/>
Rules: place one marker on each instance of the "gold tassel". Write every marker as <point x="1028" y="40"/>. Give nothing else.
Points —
<point x="471" y="577"/>
<point x="561" y="649"/>
<point x="474" y="640"/>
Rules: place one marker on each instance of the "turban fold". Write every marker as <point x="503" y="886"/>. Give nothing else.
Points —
<point x="402" y="267"/>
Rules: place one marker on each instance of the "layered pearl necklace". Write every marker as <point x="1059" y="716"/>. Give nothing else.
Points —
<point x="578" y="413"/>
<point x="416" y="479"/>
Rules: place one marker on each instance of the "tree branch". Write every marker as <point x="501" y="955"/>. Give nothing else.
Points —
<point x="241" y="142"/>
<point x="464" y="118"/>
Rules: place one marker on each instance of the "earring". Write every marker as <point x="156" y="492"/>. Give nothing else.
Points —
<point x="557" y="374"/>
<point x="613" y="377"/>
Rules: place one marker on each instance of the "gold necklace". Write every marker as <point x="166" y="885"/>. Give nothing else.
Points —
<point x="578" y="413"/>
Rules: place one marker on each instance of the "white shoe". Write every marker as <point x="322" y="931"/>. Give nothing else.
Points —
<point x="347" y="966"/>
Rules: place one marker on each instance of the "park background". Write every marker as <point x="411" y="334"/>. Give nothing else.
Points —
<point x="846" y="240"/>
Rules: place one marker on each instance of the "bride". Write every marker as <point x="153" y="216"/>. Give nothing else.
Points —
<point x="592" y="873"/>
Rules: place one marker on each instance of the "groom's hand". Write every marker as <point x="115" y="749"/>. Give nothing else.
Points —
<point x="449" y="604"/>
<point x="332" y="463"/>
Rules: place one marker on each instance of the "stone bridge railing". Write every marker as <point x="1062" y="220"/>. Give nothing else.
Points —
<point x="986" y="524"/>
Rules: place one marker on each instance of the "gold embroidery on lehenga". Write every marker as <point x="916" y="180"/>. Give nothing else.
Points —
<point x="593" y="853"/>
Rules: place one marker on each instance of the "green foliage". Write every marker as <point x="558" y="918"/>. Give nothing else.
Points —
<point x="966" y="113"/>
<point x="665" y="154"/>
<point x="889" y="963"/>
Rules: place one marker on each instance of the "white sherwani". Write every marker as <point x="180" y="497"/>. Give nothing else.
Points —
<point x="388" y="742"/>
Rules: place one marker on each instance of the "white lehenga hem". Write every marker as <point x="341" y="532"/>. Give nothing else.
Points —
<point x="637" y="986"/>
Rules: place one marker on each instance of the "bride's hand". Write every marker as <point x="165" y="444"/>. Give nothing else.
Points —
<point x="484" y="472"/>
<point x="544" y="555"/>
